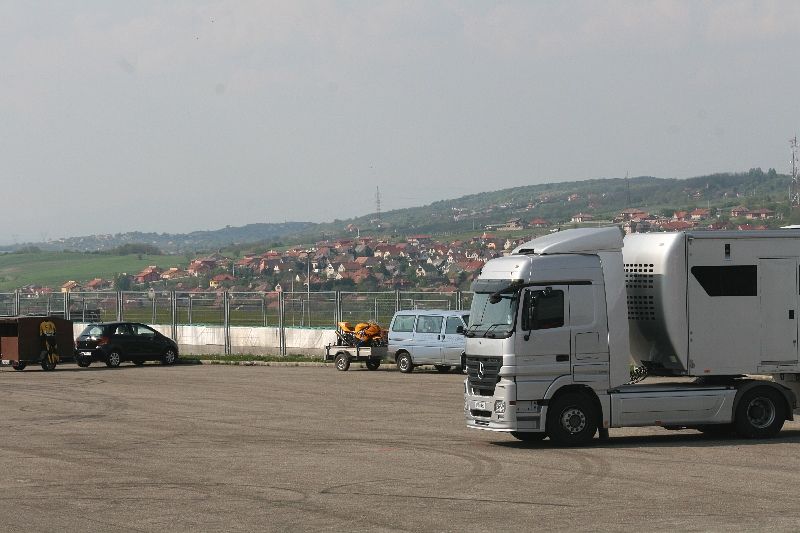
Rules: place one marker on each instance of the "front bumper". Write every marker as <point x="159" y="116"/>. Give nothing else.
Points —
<point x="501" y="411"/>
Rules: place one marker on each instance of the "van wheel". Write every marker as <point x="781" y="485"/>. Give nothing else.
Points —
<point x="404" y="363"/>
<point x="342" y="362"/>
<point x="444" y="369"/>
<point x="760" y="413"/>
<point x="571" y="420"/>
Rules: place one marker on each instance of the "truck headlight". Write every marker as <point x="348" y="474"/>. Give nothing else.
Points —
<point x="499" y="406"/>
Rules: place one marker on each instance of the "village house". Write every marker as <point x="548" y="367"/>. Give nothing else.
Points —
<point x="699" y="214"/>
<point x="582" y="217"/>
<point x="760" y="214"/>
<point x="148" y="275"/>
<point x="98" y="284"/>
<point x="739" y="211"/>
<point x="219" y="279"/>
<point x="71" y="286"/>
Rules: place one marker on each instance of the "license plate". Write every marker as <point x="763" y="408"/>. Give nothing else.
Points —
<point x="86" y="353"/>
<point x="480" y="405"/>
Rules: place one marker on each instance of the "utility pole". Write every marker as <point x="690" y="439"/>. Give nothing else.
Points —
<point x="628" y="189"/>
<point x="794" y="190"/>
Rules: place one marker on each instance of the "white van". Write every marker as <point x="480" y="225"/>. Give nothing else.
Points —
<point x="428" y="337"/>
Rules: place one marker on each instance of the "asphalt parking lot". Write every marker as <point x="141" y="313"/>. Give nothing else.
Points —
<point x="228" y="448"/>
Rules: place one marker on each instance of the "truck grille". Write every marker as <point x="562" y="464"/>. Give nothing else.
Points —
<point x="483" y="374"/>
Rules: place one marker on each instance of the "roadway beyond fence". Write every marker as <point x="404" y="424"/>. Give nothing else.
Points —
<point x="270" y="323"/>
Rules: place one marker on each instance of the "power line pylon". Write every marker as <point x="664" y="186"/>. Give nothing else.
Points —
<point x="794" y="190"/>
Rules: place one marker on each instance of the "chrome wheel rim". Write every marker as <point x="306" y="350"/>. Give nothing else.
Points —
<point x="761" y="412"/>
<point x="573" y="420"/>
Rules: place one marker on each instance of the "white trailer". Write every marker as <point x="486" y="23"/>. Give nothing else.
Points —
<point x="555" y="327"/>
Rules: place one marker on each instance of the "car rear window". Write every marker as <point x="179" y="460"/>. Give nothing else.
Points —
<point x="92" y="330"/>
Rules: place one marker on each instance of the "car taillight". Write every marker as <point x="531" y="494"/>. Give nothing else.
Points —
<point x="102" y="340"/>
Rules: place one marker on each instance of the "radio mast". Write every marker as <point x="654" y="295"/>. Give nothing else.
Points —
<point x="378" y="205"/>
<point x="794" y="190"/>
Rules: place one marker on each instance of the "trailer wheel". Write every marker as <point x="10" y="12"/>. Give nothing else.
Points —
<point x="373" y="364"/>
<point x="444" y="369"/>
<point x="342" y="362"/>
<point x="114" y="359"/>
<point x="19" y="366"/>
<point x="760" y="413"/>
<point x="571" y="419"/>
<point x="404" y="363"/>
<point x="528" y="436"/>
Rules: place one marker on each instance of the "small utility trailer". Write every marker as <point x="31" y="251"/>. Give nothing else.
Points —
<point x="364" y="343"/>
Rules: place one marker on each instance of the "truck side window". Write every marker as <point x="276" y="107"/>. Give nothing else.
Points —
<point x="543" y="310"/>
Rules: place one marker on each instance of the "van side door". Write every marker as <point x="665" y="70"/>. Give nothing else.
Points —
<point x="452" y="341"/>
<point x="428" y="340"/>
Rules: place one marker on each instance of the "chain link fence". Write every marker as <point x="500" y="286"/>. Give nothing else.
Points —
<point x="318" y="310"/>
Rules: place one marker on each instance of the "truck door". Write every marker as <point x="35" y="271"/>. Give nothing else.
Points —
<point x="543" y="338"/>
<point x="777" y="283"/>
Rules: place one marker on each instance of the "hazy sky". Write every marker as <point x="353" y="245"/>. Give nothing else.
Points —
<point x="190" y="115"/>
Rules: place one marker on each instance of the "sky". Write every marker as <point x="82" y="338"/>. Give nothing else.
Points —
<point x="179" y="116"/>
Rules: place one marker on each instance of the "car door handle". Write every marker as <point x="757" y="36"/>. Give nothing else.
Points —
<point x="562" y="357"/>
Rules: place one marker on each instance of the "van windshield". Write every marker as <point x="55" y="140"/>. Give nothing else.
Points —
<point x="492" y="314"/>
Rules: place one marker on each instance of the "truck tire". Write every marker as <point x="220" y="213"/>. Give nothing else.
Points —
<point x="404" y="363"/>
<point x="528" y="436"/>
<point x="444" y="369"/>
<point x="373" y="364"/>
<point x="760" y="413"/>
<point x="342" y="361"/>
<point x="571" y="419"/>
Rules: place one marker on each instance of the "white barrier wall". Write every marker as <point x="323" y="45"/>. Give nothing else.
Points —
<point x="207" y="340"/>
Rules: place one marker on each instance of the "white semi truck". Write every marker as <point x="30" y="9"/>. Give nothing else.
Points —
<point x="556" y="327"/>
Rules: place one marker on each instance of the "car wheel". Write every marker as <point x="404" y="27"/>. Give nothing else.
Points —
<point x="169" y="357"/>
<point x="83" y="362"/>
<point x="571" y="420"/>
<point x="444" y="369"/>
<point x="404" y="363"/>
<point x="138" y="362"/>
<point x="342" y="362"/>
<point x="114" y="359"/>
<point x="528" y="436"/>
<point x="19" y="366"/>
<point x="372" y="364"/>
<point x="760" y="413"/>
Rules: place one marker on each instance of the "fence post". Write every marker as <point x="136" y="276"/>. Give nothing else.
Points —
<point x="16" y="302"/>
<point x="281" y="324"/>
<point x="66" y="305"/>
<point x="338" y="316"/>
<point x="120" y="297"/>
<point x="173" y="314"/>
<point x="396" y="300"/>
<point x="226" y="317"/>
<point x="458" y="301"/>
<point x="264" y="308"/>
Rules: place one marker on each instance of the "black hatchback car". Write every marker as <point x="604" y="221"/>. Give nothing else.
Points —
<point x="115" y="342"/>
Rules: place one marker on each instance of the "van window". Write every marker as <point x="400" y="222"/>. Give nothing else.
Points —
<point x="429" y="324"/>
<point x="403" y="323"/>
<point x="452" y="325"/>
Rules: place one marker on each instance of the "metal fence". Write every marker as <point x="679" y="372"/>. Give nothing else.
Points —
<point x="254" y="309"/>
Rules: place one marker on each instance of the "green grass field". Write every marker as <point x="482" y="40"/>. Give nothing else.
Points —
<point x="53" y="269"/>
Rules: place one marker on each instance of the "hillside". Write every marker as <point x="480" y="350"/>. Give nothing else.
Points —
<point x="555" y="202"/>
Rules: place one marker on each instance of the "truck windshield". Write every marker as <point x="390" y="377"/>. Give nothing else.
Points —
<point x="492" y="314"/>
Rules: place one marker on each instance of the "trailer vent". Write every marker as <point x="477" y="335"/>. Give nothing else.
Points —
<point x="639" y="276"/>
<point x="641" y="308"/>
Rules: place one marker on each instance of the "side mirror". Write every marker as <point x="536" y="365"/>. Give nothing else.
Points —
<point x="460" y="330"/>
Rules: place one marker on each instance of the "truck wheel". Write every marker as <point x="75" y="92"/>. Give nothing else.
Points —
<point x="571" y="420"/>
<point x="19" y="366"/>
<point x="760" y="413"/>
<point x="342" y="362"/>
<point x="444" y="369"/>
<point x="528" y="436"/>
<point x="404" y="363"/>
<point x="372" y="364"/>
